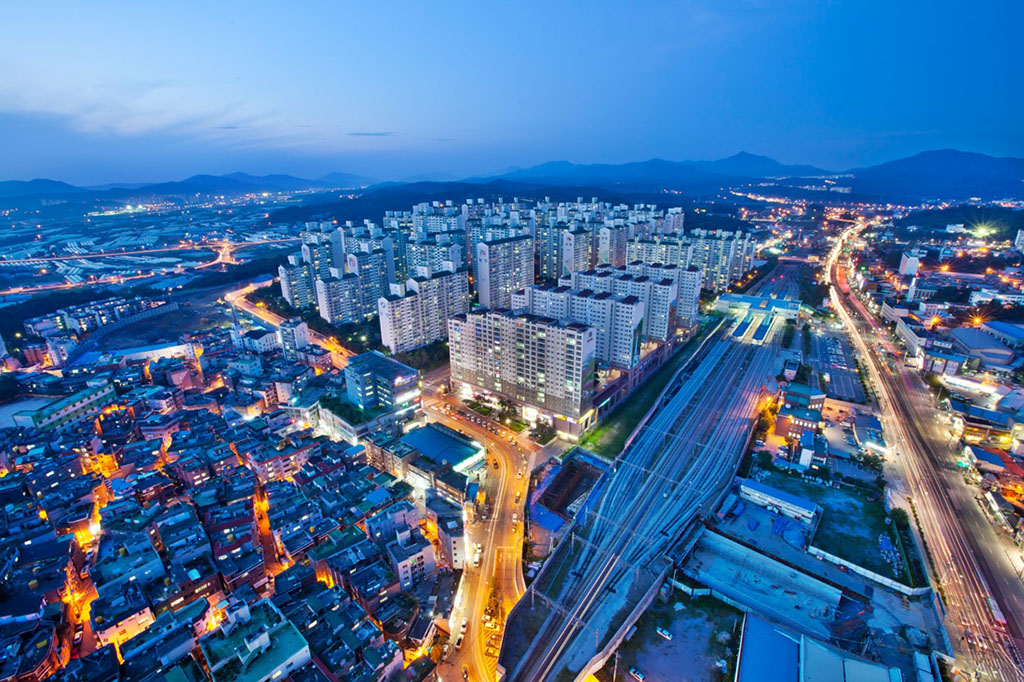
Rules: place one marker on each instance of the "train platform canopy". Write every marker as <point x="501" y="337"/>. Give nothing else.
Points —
<point x="740" y="304"/>
<point x="769" y="651"/>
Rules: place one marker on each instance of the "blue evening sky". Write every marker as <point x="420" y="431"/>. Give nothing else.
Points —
<point x="94" y="92"/>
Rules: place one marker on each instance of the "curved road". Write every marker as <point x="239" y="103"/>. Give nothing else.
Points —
<point x="501" y="566"/>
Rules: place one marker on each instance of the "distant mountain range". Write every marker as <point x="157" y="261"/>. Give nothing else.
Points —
<point x="933" y="175"/>
<point x="943" y="174"/>
<point x="659" y="172"/>
<point x="233" y="183"/>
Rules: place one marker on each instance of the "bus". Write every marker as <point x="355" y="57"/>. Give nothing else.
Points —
<point x="997" y="614"/>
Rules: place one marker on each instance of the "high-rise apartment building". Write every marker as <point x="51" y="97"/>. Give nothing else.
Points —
<point x="416" y="313"/>
<point x="689" y="284"/>
<point x="339" y="299"/>
<point x="665" y="251"/>
<point x="611" y="245"/>
<point x="371" y="269"/>
<point x="294" y="335"/>
<point x="723" y="256"/>
<point x="436" y="252"/>
<point x="502" y="267"/>
<point x="548" y="235"/>
<point x="545" y="366"/>
<point x="655" y="287"/>
<point x="323" y="247"/>
<point x="577" y="251"/>
<point x="673" y="223"/>
<point x="297" y="282"/>
<point x="617" y="320"/>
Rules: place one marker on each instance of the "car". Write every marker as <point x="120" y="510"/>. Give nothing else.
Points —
<point x="515" y="517"/>
<point x="476" y="561"/>
<point x="458" y="642"/>
<point x="636" y="675"/>
<point x="519" y="474"/>
<point x="76" y="646"/>
<point x="465" y="624"/>
<point x="495" y="464"/>
<point x="664" y="633"/>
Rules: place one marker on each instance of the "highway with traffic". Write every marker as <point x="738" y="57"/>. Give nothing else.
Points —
<point x="970" y="561"/>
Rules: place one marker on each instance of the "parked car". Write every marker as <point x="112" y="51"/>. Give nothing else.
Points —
<point x="636" y="675"/>
<point x="664" y="633"/>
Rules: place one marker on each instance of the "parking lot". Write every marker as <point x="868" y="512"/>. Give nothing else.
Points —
<point x="701" y="632"/>
<point x="832" y="356"/>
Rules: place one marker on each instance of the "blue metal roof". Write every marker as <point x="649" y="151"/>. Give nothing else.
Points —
<point x="440" y="444"/>
<point x="1014" y="330"/>
<point x="767" y="653"/>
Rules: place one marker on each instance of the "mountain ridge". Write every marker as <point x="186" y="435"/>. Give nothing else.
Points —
<point x="928" y="175"/>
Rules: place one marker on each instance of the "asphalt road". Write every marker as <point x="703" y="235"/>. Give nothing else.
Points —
<point x="237" y="298"/>
<point x="970" y="561"/>
<point x="501" y="539"/>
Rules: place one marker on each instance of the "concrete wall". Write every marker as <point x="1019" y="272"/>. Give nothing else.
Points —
<point x="860" y="570"/>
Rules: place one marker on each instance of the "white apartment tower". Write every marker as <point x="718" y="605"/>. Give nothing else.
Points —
<point x="617" y="320"/>
<point x="416" y="313"/>
<point x="339" y="300"/>
<point x="545" y="366"/>
<point x="577" y="249"/>
<point x="502" y="267"/>
<point x="296" y="282"/>
<point x="294" y="334"/>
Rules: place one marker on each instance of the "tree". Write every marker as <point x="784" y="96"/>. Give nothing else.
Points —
<point x="9" y="387"/>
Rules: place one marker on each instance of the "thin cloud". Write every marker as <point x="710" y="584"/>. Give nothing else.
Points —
<point x="381" y="133"/>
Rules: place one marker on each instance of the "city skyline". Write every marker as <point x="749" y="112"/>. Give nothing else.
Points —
<point x="147" y="95"/>
<point x="410" y="342"/>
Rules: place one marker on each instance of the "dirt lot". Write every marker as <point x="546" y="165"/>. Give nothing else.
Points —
<point x="168" y="327"/>
<point x="704" y="632"/>
<point x="851" y="521"/>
